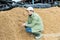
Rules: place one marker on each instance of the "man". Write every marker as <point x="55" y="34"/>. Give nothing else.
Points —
<point x="34" y="23"/>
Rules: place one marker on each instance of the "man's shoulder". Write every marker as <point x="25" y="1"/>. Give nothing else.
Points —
<point x="36" y="15"/>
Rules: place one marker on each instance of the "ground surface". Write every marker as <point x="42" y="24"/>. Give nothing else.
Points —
<point x="11" y="21"/>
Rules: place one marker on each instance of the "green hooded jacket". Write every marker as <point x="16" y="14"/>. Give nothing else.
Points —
<point x="35" y="22"/>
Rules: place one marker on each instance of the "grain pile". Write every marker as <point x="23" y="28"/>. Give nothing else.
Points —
<point x="11" y="21"/>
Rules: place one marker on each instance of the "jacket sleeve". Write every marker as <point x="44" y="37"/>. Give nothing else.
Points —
<point x="34" y="21"/>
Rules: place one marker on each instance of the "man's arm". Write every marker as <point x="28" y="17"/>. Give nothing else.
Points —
<point x="34" y="21"/>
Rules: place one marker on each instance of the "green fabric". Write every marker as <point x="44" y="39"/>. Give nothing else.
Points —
<point x="35" y="22"/>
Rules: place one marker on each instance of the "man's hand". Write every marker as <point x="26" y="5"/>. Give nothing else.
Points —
<point x="24" y="24"/>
